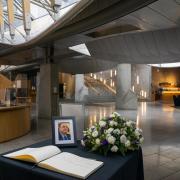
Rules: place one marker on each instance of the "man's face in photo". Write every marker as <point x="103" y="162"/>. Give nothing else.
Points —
<point x="63" y="128"/>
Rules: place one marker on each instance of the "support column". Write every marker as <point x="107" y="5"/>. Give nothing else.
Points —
<point x="80" y="89"/>
<point x="48" y="103"/>
<point x="125" y="98"/>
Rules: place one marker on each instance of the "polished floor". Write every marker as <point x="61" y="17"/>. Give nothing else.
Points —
<point x="161" y="130"/>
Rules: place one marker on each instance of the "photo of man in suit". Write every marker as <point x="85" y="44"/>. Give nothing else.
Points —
<point x="64" y="131"/>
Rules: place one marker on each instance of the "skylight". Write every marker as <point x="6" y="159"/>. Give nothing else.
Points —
<point x="23" y="20"/>
<point x="81" y="48"/>
<point x="167" y="65"/>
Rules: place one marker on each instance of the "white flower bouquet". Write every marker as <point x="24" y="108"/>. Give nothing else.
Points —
<point x="113" y="134"/>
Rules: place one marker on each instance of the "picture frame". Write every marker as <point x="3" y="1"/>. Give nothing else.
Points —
<point x="64" y="131"/>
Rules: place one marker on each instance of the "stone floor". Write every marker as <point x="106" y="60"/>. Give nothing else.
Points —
<point x="161" y="129"/>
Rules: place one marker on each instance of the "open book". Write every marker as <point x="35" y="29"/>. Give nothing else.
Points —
<point x="51" y="158"/>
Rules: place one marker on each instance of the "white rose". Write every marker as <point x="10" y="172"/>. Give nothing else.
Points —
<point x="111" y="140"/>
<point x="128" y="143"/>
<point x="116" y="131"/>
<point x="123" y="131"/>
<point x="82" y="143"/>
<point x="117" y="114"/>
<point x="107" y="136"/>
<point x="102" y="123"/>
<point x="98" y="141"/>
<point x="115" y="123"/>
<point x="95" y="134"/>
<point x="114" y="148"/>
<point x="111" y="123"/>
<point x="141" y="140"/>
<point x="123" y="139"/>
<point x="110" y="130"/>
<point x="128" y="123"/>
<point x="137" y="134"/>
<point x="140" y="130"/>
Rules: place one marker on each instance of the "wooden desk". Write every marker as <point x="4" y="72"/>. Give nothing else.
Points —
<point x="14" y="122"/>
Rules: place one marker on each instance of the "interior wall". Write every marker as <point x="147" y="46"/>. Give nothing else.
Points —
<point x="69" y="81"/>
<point x="170" y="75"/>
<point x="4" y="83"/>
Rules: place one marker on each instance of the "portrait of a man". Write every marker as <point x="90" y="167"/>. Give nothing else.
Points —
<point x="64" y="131"/>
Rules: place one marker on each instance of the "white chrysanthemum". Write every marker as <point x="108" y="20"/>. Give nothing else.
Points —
<point x="114" y="148"/>
<point x="102" y="123"/>
<point x="110" y="130"/>
<point x="116" y="131"/>
<point x="98" y="141"/>
<point x="141" y="140"/>
<point x="128" y="143"/>
<point x="82" y="143"/>
<point x="94" y="134"/>
<point x="123" y="139"/>
<point x="137" y="134"/>
<point x="111" y="140"/>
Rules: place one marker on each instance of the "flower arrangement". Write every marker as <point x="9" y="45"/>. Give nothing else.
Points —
<point x="113" y="134"/>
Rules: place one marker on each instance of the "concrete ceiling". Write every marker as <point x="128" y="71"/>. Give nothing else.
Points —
<point x="155" y="37"/>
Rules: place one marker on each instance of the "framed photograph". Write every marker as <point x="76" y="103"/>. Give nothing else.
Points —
<point x="64" y="131"/>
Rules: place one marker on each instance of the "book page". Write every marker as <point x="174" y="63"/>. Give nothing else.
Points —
<point x="70" y="164"/>
<point x="34" y="154"/>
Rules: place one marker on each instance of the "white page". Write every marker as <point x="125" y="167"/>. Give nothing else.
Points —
<point x="39" y="154"/>
<point x="71" y="164"/>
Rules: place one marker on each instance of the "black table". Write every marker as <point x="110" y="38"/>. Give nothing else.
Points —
<point x="115" y="167"/>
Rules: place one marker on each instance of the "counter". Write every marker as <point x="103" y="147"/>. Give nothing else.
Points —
<point x="14" y="122"/>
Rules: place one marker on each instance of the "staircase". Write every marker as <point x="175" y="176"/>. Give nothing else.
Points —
<point x="98" y="91"/>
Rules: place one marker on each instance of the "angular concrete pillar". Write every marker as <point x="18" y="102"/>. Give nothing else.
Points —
<point x="48" y="102"/>
<point x="125" y="98"/>
<point x="80" y="89"/>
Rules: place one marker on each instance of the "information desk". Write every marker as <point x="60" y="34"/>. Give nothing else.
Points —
<point x="115" y="167"/>
<point x="14" y="122"/>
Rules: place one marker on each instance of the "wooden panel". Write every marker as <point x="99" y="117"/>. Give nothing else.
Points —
<point x="14" y="122"/>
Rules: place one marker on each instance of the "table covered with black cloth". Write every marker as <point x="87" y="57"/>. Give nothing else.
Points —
<point x="116" y="167"/>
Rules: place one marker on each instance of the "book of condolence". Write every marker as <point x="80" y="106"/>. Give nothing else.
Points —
<point x="51" y="158"/>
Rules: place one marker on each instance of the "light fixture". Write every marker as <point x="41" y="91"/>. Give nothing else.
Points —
<point x="111" y="73"/>
<point x="95" y="76"/>
<point x="133" y="88"/>
<point x="145" y="94"/>
<point x="137" y="79"/>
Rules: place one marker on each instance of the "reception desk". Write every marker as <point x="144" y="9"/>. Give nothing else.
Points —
<point x="14" y="122"/>
<point x="167" y="96"/>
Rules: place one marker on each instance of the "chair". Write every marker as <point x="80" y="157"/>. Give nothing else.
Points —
<point x="176" y="100"/>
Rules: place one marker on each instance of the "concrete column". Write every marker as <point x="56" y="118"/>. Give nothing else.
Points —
<point x="80" y="89"/>
<point x="48" y="103"/>
<point x="125" y="98"/>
